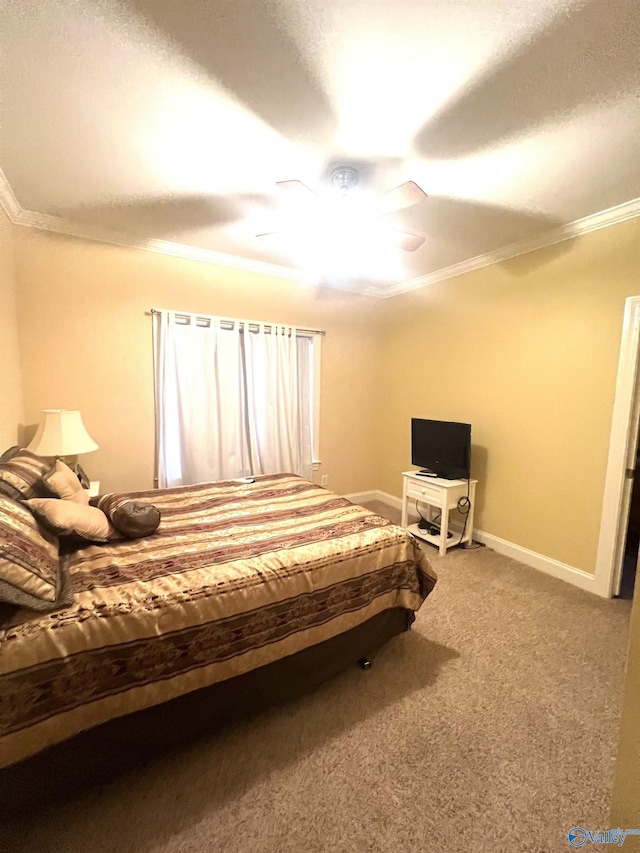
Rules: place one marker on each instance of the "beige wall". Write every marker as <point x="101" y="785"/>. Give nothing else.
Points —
<point x="86" y="344"/>
<point x="625" y="812"/>
<point x="11" y="410"/>
<point x="527" y="352"/>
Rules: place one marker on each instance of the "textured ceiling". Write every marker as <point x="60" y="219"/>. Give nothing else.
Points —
<point x="173" y="120"/>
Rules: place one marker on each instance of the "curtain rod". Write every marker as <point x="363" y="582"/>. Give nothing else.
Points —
<point x="230" y="320"/>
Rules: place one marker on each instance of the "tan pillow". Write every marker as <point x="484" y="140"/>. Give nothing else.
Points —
<point x="29" y="561"/>
<point x="65" y="484"/>
<point x="66" y="518"/>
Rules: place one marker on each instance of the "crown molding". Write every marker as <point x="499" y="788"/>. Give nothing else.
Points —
<point x="59" y="225"/>
<point x="8" y="201"/>
<point x="603" y="219"/>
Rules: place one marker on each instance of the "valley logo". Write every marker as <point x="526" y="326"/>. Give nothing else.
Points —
<point x="578" y="836"/>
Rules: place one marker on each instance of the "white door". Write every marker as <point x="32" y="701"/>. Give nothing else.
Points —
<point x="622" y="456"/>
<point x="625" y="503"/>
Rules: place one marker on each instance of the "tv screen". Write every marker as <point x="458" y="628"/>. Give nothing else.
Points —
<point x="441" y="447"/>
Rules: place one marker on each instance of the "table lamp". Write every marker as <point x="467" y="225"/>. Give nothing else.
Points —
<point x="61" y="433"/>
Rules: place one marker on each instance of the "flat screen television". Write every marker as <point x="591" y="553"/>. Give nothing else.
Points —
<point x="441" y="448"/>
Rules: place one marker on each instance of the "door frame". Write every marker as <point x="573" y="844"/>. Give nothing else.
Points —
<point x="622" y="445"/>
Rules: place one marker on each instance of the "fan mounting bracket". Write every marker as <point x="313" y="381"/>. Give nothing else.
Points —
<point x="345" y="178"/>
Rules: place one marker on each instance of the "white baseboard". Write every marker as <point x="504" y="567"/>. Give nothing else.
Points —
<point x="392" y="500"/>
<point x="363" y="497"/>
<point x="375" y="495"/>
<point x="549" y="566"/>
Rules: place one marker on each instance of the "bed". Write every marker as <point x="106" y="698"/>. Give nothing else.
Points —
<point x="240" y="578"/>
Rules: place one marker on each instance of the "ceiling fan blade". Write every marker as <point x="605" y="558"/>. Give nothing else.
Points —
<point x="296" y="190"/>
<point x="405" y="240"/>
<point x="590" y="48"/>
<point x="162" y="216"/>
<point x="406" y="195"/>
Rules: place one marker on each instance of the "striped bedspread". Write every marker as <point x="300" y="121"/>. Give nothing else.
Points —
<point x="236" y="576"/>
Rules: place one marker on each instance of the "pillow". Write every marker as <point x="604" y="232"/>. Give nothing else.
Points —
<point x="131" y="518"/>
<point x="29" y="561"/>
<point x="6" y="456"/>
<point x="7" y="613"/>
<point x="66" y="518"/>
<point x="62" y="482"/>
<point x="21" y="473"/>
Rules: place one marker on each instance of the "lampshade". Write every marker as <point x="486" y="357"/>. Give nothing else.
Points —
<point x="61" y="432"/>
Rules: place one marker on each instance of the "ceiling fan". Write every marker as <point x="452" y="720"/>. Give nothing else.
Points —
<point x="345" y="179"/>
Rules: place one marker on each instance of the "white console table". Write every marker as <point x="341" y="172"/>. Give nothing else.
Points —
<point x="441" y="496"/>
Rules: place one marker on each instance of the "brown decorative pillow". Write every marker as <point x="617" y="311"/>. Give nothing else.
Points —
<point x="62" y="482"/>
<point x="29" y="561"/>
<point x="131" y="518"/>
<point x="66" y="518"/>
<point x="6" y="456"/>
<point x="21" y="473"/>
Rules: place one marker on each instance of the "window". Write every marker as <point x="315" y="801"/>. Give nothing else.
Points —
<point x="234" y="398"/>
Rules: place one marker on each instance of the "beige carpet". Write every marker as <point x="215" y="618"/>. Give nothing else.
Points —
<point x="491" y="726"/>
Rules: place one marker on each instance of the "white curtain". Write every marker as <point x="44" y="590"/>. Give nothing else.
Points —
<point x="230" y="401"/>
<point x="272" y="399"/>
<point x="306" y="426"/>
